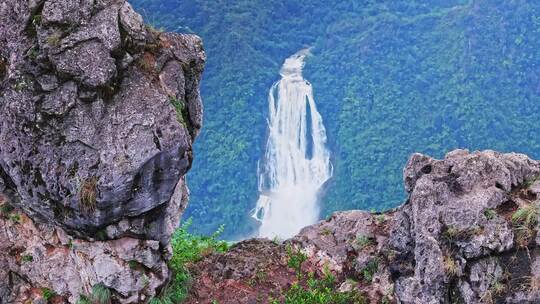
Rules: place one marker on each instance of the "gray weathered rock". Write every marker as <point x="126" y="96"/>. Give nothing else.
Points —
<point x="456" y="240"/>
<point x="97" y="119"/>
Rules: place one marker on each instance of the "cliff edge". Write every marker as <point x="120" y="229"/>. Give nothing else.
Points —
<point x="98" y="113"/>
<point x="468" y="233"/>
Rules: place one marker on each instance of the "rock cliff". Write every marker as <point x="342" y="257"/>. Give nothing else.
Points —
<point x="98" y="113"/>
<point x="466" y="234"/>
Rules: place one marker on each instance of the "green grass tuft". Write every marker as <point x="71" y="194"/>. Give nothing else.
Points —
<point x="48" y="294"/>
<point x="101" y="294"/>
<point x="363" y="241"/>
<point x="88" y="195"/>
<point x="526" y="216"/>
<point x="319" y="291"/>
<point x="27" y="258"/>
<point x="490" y="213"/>
<point x="181" y="111"/>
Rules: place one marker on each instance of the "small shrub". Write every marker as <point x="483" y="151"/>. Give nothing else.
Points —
<point x="101" y="235"/>
<point x="380" y="218"/>
<point x="260" y="275"/>
<point x="145" y="280"/>
<point x="370" y="269"/>
<point x="490" y="213"/>
<point x="48" y="294"/>
<point x="133" y="264"/>
<point x="450" y="233"/>
<point x="16" y="218"/>
<point x="363" y="241"/>
<point x="36" y="20"/>
<point x="6" y="209"/>
<point x="27" y="258"/>
<point x="88" y="195"/>
<point x="295" y="259"/>
<point x="523" y="235"/>
<point x="526" y="216"/>
<point x="320" y="291"/>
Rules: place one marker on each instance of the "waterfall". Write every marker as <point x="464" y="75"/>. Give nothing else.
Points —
<point x="296" y="162"/>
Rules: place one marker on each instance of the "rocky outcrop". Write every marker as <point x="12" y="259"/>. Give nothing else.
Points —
<point x="466" y="234"/>
<point x="98" y="113"/>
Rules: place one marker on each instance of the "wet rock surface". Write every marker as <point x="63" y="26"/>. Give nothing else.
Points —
<point x="98" y="113"/>
<point x="466" y="234"/>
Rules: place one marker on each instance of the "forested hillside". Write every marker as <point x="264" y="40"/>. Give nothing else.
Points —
<point x="389" y="77"/>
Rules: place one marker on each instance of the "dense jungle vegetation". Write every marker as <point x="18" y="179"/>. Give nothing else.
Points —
<point x="390" y="78"/>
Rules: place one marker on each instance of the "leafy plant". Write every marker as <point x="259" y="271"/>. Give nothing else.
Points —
<point x="490" y="213"/>
<point x="48" y="294"/>
<point x="319" y="291"/>
<point x="16" y="218"/>
<point x="133" y="264"/>
<point x="187" y="248"/>
<point x="27" y="258"/>
<point x="295" y="259"/>
<point x="6" y="209"/>
<point x="380" y="218"/>
<point x="370" y="269"/>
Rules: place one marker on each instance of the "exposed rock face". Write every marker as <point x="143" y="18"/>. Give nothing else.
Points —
<point x="459" y="238"/>
<point x="98" y="113"/>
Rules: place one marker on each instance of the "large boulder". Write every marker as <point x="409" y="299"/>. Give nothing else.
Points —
<point x="98" y="113"/>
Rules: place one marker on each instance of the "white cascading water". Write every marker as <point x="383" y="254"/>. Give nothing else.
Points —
<point x="296" y="163"/>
